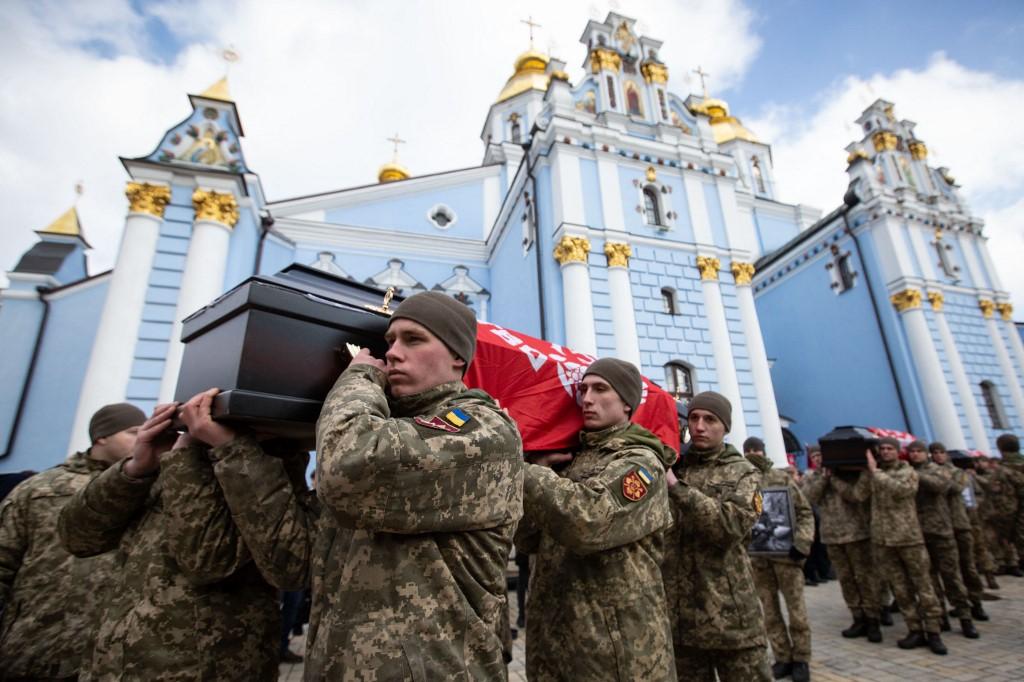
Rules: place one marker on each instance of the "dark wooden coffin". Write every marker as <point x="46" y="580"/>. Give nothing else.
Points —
<point x="843" y="447"/>
<point x="961" y="458"/>
<point x="275" y="344"/>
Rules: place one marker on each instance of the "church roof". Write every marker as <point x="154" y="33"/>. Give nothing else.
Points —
<point x="724" y="126"/>
<point x="66" y="225"/>
<point x="45" y="258"/>
<point x="218" y="90"/>
<point x="529" y="74"/>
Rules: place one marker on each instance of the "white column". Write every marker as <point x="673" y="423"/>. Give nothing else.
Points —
<point x="571" y="253"/>
<point x="721" y="345"/>
<point x="627" y="346"/>
<point x="771" y="427"/>
<point x="937" y="400"/>
<point x="1013" y="380"/>
<point x="203" y="278"/>
<point x="979" y="436"/>
<point x="1016" y="344"/>
<point x="110" y="363"/>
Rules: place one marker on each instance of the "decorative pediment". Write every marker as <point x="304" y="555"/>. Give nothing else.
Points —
<point x="395" y="276"/>
<point x="461" y="282"/>
<point x="325" y="263"/>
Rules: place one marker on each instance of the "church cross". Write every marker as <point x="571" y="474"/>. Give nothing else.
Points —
<point x="702" y="74"/>
<point x="530" y="22"/>
<point x="397" y="141"/>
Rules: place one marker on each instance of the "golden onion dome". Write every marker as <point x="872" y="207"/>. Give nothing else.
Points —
<point x="856" y="155"/>
<point x="724" y="127"/>
<point x="529" y="75"/>
<point x="390" y="172"/>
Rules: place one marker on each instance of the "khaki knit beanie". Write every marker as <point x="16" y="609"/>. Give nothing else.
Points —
<point x="111" y="419"/>
<point x="623" y="376"/>
<point x="446" y="318"/>
<point x="715" y="403"/>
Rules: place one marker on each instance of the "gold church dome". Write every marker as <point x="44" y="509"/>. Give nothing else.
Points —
<point x="723" y="126"/>
<point x="390" y="172"/>
<point x="529" y="75"/>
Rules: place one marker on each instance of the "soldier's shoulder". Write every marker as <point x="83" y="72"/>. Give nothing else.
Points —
<point x="55" y="482"/>
<point x="474" y="411"/>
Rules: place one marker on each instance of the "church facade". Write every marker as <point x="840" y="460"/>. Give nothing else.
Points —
<point x="611" y="215"/>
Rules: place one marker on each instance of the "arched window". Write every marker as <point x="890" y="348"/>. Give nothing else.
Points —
<point x="945" y="262"/>
<point x="633" y="99"/>
<point x="994" y="405"/>
<point x="516" y="133"/>
<point x="679" y="380"/>
<point x="758" y="174"/>
<point x="668" y="301"/>
<point x="652" y="211"/>
<point x="846" y="273"/>
<point x="611" y="92"/>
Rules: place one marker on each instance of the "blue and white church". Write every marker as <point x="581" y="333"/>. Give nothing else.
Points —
<point x="611" y="215"/>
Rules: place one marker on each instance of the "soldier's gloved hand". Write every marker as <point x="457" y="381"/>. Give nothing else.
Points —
<point x="796" y="555"/>
<point x="551" y="459"/>
<point x="199" y="420"/>
<point x="155" y="436"/>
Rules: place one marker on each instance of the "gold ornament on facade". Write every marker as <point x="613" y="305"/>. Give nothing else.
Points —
<point x="987" y="308"/>
<point x="908" y="299"/>
<point x="652" y="175"/>
<point x="855" y="155"/>
<point x="918" y="151"/>
<point x="572" y="250"/>
<point x="220" y="208"/>
<point x="603" y="58"/>
<point x="1005" y="310"/>
<point x="885" y="141"/>
<point x="654" y="72"/>
<point x="936" y="299"/>
<point x="709" y="267"/>
<point x="618" y="254"/>
<point x="146" y="198"/>
<point x="743" y="273"/>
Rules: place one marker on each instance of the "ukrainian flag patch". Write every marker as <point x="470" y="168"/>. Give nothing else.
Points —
<point x="457" y="417"/>
<point x="644" y="475"/>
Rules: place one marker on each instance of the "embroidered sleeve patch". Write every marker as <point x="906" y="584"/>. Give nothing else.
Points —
<point x="436" y="423"/>
<point x="633" y="486"/>
<point x="457" y="417"/>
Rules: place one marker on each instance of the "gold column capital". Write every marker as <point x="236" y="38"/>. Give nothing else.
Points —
<point x="936" y="299"/>
<point x="908" y="299"/>
<point x="572" y="250"/>
<point x="146" y="198"/>
<point x="918" y="150"/>
<point x="603" y="58"/>
<point x="654" y="72"/>
<point x="709" y="267"/>
<point x="220" y="208"/>
<point x="618" y="254"/>
<point x="742" y="272"/>
<point x="885" y="141"/>
<point x="987" y="308"/>
<point x="1005" y="310"/>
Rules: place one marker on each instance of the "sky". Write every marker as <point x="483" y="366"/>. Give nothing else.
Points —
<point x="321" y="84"/>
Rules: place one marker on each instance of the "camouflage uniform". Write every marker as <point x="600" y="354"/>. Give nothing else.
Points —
<point x="410" y="558"/>
<point x="717" y="623"/>
<point x="982" y="553"/>
<point x="188" y="602"/>
<point x="962" y="534"/>
<point x="786" y="575"/>
<point x="1015" y="462"/>
<point x="999" y="513"/>
<point x="843" y="504"/>
<point x="49" y="598"/>
<point x="596" y="606"/>
<point x="934" y="486"/>
<point x="900" y="547"/>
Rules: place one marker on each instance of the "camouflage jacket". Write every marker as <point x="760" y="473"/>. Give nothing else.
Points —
<point x="421" y="497"/>
<point x="597" y="603"/>
<point x="893" y="505"/>
<point x="1015" y="461"/>
<point x="934" y="487"/>
<point x="1001" y="493"/>
<point x="188" y="602"/>
<point x="803" y="521"/>
<point x="49" y="598"/>
<point x="958" y="514"/>
<point x="708" y="582"/>
<point x="843" y="504"/>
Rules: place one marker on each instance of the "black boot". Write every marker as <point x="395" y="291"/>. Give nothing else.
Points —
<point x="801" y="673"/>
<point x="967" y="627"/>
<point x="858" y="629"/>
<point x="936" y="645"/>
<point x="780" y="670"/>
<point x="893" y="607"/>
<point x="886" y="618"/>
<point x="1014" y="571"/>
<point x="914" y="639"/>
<point x="978" y="613"/>
<point x="944" y="624"/>
<point x="990" y="581"/>
<point x="874" y="631"/>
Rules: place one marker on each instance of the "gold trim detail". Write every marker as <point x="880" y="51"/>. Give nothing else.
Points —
<point x="908" y="299"/>
<point x="987" y="308"/>
<point x="652" y="175"/>
<point x="618" y="254"/>
<point x="220" y="208"/>
<point x="742" y="272"/>
<point x="709" y="267"/>
<point x="654" y="72"/>
<point x="146" y="198"/>
<point x="855" y="155"/>
<point x="936" y="299"/>
<point x="918" y="151"/>
<point x="1005" y="310"/>
<point x="603" y="58"/>
<point x="572" y="250"/>
<point x="885" y="141"/>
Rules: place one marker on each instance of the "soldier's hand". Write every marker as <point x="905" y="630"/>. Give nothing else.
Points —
<point x="363" y="357"/>
<point x="199" y="420"/>
<point x="155" y="436"/>
<point x="826" y="472"/>
<point x="551" y="459"/>
<point x="670" y="477"/>
<point x="872" y="464"/>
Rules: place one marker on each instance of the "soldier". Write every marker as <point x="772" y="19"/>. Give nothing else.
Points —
<point x="900" y="547"/>
<point x="1009" y="448"/>
<point x="50" y="599"/>
<point x="187" y="601"/>
<point x="717" y="623"/>
<point x="842" y="499"/>
<point x="1003" y="489"/>
<point x="982" y="555"/>
<point x="791" y="645"/>
<point x="934" y="486"/>
<point x="596" y="606"/>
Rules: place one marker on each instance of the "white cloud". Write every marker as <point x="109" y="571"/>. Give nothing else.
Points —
<point x="320" y="85"/>
<point x="966" y="119"/>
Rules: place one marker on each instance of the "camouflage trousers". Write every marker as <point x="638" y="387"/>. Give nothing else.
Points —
<point x="792" y="642"/>
<point x="947" y="581"/>
<point x="968" y="569"/>
<point x="732" y="665"/>
<point x="982" y="554"/>
<point x="908" y="571"/>
<point x="999" y="532"/>
<point x="858" y="577"/>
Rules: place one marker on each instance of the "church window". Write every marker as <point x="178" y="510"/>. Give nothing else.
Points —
<point x="611" y="93"/>
<point x="994" y="405"/>
<point x="945" y="262"/>
<point x="758" y="174"/>
<point x="846" y="273"/>
<point x="679" y="380"/>
<point x="668" y="301"/>
<point x="516" y="131"/>
<point x="841" y="270"/>
<point x="441" y="216"/>
<point x="652" y="211"/>
<point x="633" y="99"/>
<point x="661" y="103"/>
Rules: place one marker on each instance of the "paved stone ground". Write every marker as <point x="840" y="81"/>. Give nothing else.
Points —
<point x="997" y="657"/>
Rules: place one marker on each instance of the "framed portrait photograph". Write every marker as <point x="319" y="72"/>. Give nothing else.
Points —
<point x="970" y="500"/>
<point x="772" y="534"/>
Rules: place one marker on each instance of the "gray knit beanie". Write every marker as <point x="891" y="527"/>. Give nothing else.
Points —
<point x="111" y="419"/>
<point x="623" y="376"/>
<point x="715" y="403"/>
<point x="446" y="318"/>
